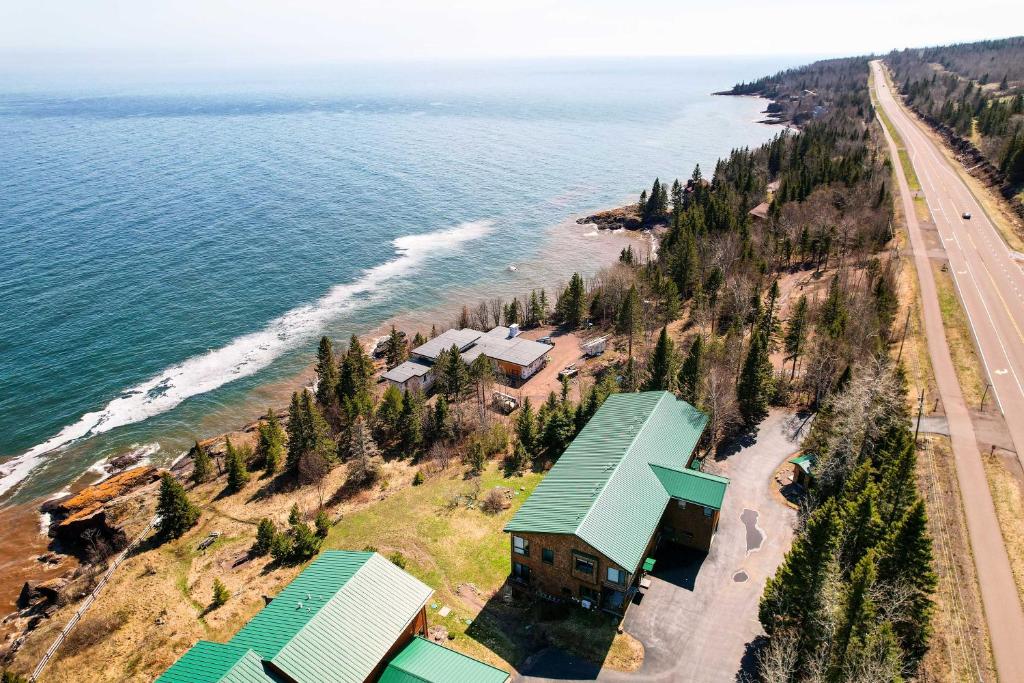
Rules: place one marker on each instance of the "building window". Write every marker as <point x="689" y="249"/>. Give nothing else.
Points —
<point x="520" y="546"/>
<point x="708" y="511"/>
<point x="682" y="504"/>
<point x="547" y="555"/>
<point x="583" y="565"/>
<point x="590" y="595"/>
<point x="616" y="576"/>
<point x="521" y="572"/>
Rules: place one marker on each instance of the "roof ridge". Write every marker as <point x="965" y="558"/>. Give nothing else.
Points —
<point x="625" y="455"/>
<point x="334" y="596"/>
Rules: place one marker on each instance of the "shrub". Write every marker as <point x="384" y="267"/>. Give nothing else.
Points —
<point x="176" y="511"/>
<point x="294" y="516"/>
<point x="476" y="456"/>
<point x="281" y="547"/>
<point x="398" y="559"/>
<point x="305" y="543"/>
<point x="221" y="594"/>
<point x="418" y="479"/>
<point x="494" y="502"/>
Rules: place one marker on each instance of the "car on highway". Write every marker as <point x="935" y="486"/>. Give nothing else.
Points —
<point x="966" y="215"/>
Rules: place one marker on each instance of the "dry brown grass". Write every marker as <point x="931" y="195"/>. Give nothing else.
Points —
<point x="959" y="647"/>
<point x="959" y="339"/>
<point x="1008" y="496"/>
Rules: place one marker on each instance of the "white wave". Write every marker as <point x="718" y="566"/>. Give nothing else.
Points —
<point x="141" y="453"/>
<point x="245" y="355"/>
<point x="592" y="233"/>
<point x="44" y="523"/>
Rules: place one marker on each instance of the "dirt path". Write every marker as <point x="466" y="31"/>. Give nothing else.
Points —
<point x="1003" y="611"/>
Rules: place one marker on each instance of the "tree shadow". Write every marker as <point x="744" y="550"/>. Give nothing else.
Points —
<point x="277" y="483"/>
<point x="736" y="443"/>
<point x="748" y="671"/>
<point x="555" y="640"/>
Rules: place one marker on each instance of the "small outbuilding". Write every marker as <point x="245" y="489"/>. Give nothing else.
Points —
<point x="802" y="465"/>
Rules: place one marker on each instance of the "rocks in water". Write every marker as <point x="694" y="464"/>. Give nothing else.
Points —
<point x="614" y="219"/>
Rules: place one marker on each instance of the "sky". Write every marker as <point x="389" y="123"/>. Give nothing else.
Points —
<point x="37" y="33"/>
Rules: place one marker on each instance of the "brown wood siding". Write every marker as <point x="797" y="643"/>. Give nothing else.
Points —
<point x="559" y="578"/>
<point x="417" y="627"/>
<point x="688" y="525"/>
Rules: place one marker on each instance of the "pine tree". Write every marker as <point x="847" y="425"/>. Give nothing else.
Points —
<point x="857" y="614"/>
<point x="691" y="372"/>
<point x="238" y="475"/>
<point x="630" y="318"/>
<point x="176" y="512"/>
<point x="796" y="332"/>
<point x="356" y="372"/>
<point x="793" y="598"/>
<point x="755" y="384"/>
<point x="265" y="532"/>
<point x="572" y="305"/>
<point x="271" y="442"/>
<point x="418" y="340"/>
<point x="319" y="439"/>
<point x="389" y="413"/>
<point x="221" y="594"/>
<point x="631" y="379"/>
<point x="833" y="318"/>
<point x="305" y="543"/>
<point x="326" y="373"/>
<point x="298" y="438"/>
<point x="200" y="464"/>
<point x="411" y="422"/>
<point x="526" y="427"/>
<point x="440" y="421"/>
<point x="397" y="351"/>
<point x="662" y="367"/>
<point x="294" y="515"/>
<point x="906" y="560"/>
<point x="862" y="526"/>
<point x="453" y="376"/>
<point x="322" y="523"/>
<point x="520" y="458"/>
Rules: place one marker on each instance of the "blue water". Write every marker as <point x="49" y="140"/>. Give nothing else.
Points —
<point x="170" y="248"/>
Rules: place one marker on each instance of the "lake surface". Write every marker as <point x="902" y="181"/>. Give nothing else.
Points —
<point x="172" y="249"/>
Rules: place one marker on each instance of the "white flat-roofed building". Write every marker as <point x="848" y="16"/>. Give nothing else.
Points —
<point x="411" y="375"/>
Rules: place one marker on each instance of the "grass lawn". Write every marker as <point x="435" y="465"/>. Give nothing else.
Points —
<point x="463" y="554"/>
<point x="960" y="341"/>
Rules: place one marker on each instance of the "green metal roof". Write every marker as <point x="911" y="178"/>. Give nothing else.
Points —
<point x="804" y="462"/>
<point x="602" y="488"/>
<point x="337" y="619"/>
<point x="700" y="488"/>
<point x="422" y="661"/>
<point x="210" y="662"/>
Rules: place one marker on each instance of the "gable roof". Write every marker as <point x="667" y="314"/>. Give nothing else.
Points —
<point x="208" y="662"/>
<point x="405" y="371"/>
<point x="444" y="341"/>
<point x="422" y="661"/>
<point x="693" y="486"/>
<point x="804" y="462"/>
<point x="337" y="619"/>
<point x="602" y="489"/>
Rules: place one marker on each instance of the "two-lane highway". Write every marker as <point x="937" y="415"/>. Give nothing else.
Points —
<point x="991" y="288"/>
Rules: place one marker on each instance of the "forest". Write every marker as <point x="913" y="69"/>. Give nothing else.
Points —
<point x="976" y="91"/>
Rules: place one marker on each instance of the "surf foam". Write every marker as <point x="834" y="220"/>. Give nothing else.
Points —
<point x="245" y="355"/>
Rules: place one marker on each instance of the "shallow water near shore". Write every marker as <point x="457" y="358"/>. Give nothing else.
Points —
<point x="174" y="250"/>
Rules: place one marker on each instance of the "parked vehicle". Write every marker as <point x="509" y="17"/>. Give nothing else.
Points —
<point x="504" y="403"/>
<point x="569" y="372"/>
<point x="967" y="215"/>
<point x="546" y="340"/>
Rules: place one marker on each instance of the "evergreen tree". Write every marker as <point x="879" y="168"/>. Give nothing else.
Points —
<point x="356" y="372"/>
<point x="238" y="475"/>
<point x="691" y="372"/>
<point x="265" y="532"/>
<point x="294" y="515"/>
<point x="559" y="428"/>
<point x="200" y="464"/>
<point x="630" y="318"/>
<point x="793" y="598"/>
<point x="526" y="427"/>
<point x="418" y="340"/>
<point x="862" y="526"/>
<point x="221" y="594"/>
<point x="631" y="379"/>
<point x="305" y="543"/>
<point x="318" y="437"/>
<point x="519" y="461"/>
<point x="298" y="437"/>
<point x="397" y="352"/>
<point x="322" y="523"/>
<point x="411" y="422"/>
<point x="389" y="412"/>
<point x="857" y="615"/>
<point x="670" y="302"/>
<point x="833" y="318"/>
<point x="271" y="442"/>
<point x="755" y="383"/>
<point x="796" y="332"/>
<point x="453" y="375"/>
<point x="326" y="373"/>
<point x="572" y="305"/>
<point x="906" y="560"/>
<point x="176" y="512"/>
<point x="440" y="421"/>
<point x="662" y="366"/>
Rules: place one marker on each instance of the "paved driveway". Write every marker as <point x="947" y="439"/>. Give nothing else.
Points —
<point x="700" y="612"/>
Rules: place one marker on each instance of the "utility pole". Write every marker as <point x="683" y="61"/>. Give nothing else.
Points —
<point x="906" y="324"/>
<point x="920" y="411"/>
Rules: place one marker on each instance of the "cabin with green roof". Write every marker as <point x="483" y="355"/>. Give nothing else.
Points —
<point x="623" y="486"/>
<point x="802" y="465"/>
<point x="345" y="619"/>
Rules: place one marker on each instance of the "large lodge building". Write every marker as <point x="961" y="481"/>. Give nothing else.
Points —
<point x="621" y="488"/>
